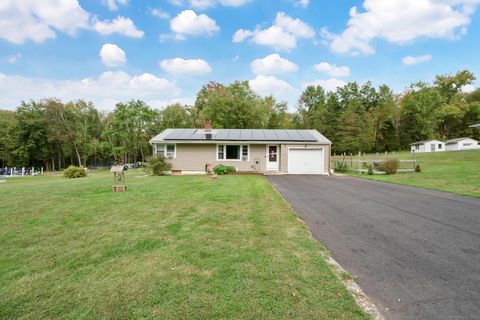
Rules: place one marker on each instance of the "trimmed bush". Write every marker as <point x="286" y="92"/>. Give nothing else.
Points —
<point x="417" y="168"/>
<point x="156" y="165"/>
<point x="390" y="166"/>
<point x="75" y="172"/>
<point x="221" y="169"/>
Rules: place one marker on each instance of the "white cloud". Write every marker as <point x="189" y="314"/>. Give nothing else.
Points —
<point x="272" y="64"/>
<point x="113" y="4"/>
<point x="179" y="66"/>
<point x="302" y="3"/>
<point x="410" y="60"/>
<point x="157" y="12"/>
<point x="276" y="38"/>
<point x="106" y="90"/>
<point x="328" y="84"/>
<point x="241" y="34"/>
<point x="468" y="88"/>
<point x="295" y="26"/>
<point x="188" y="22"/>
<point x="112" y="55"/>
<point x="39" y="20"/>
<point x="332" y="69"/>
<point x="236" y="58"/>
<point x="204" y="4"/>
<point x="270" y="85"/>
<point x="401" y="21"/>
<point x="120" y="25"/>
<point x="282" y="35"/>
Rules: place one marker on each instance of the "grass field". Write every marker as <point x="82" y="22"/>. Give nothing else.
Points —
<point x="451" y="171"/>
<point x="169" y="248"/>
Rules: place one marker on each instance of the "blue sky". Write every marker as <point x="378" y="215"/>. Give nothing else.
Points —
<point x="162" y="52"/>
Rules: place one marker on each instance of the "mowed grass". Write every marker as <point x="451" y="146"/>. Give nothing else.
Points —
<point x="169" y="248"/>
<point x="451" y="171"/>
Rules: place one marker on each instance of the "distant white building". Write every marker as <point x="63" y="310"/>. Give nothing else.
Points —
<point x="461" y="144"/>
<point x="475" y="125"/>
<point x="427" y="146"/>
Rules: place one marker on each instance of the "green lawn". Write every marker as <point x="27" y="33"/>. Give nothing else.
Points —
<point x="169" y="248"/>
<point x="451" y="171"/>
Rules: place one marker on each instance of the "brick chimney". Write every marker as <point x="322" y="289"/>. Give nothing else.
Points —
<point x="208" y="126"/>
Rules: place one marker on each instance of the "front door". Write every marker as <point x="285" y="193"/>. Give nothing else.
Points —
<point x="432" y="147"/>
<point x="272" y="158"/>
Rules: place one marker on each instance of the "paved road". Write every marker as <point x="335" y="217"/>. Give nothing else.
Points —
<point x="415" y="252"/>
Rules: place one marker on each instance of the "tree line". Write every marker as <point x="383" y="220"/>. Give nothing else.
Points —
<point x="356" y="117"/>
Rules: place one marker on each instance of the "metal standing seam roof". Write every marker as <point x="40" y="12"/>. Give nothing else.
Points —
<point x="451" y="141"/>
<point x="253" y="135"/>
<point x="423" y="142"/>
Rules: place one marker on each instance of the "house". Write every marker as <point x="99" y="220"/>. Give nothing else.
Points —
<point x="461" y="144"/>
<point x="475" y="125"/>
<point x="248" y="150"/>
<point x="427" y="146"/>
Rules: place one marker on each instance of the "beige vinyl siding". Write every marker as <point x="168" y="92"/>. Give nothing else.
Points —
<point x="284" y="155"/>
<point x="194" y="157"/>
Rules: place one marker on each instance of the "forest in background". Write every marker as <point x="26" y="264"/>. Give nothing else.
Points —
<point x="356" y="117"/>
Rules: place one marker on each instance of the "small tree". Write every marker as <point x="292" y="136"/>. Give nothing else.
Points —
<point x="157" y="165"/>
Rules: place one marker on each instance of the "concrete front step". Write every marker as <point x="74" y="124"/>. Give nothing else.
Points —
<point x="273" y="173"/>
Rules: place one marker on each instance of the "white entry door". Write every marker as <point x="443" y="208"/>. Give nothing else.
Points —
<point x="272" y="158"/>
<point x="305" y="161"/>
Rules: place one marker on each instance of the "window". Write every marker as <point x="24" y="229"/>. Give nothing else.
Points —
<point x="417" y="147"/>
<point x="166" y="150"/>
<point x="439" y="146"/>
<point x="245" y="153"/>
<point x="232" y="152"/>
<point x="221" y="152"/>
<point x="467" y="144"/>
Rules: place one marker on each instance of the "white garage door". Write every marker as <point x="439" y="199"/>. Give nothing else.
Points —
<point x="305" y="161"/>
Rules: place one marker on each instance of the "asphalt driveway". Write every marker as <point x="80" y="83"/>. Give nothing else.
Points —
<point x="415" y="252"/>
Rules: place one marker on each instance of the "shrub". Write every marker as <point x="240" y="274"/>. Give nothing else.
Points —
<point x="75" y="172"/>
<point x="156" y="165"/>
<point x="390" y="166"/>
<point x="417" y="168"/>
<point x="370" y="171"/>
<point x="341" y="167"/>
<point x="221" y="169"/>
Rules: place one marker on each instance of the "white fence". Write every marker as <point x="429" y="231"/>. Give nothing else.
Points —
<point x="362" y="162"/>
<point x="20" y="172"/>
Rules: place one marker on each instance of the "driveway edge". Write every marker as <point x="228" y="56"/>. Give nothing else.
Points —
<point x="362" y="300"/>
<point x="360" y="297"/>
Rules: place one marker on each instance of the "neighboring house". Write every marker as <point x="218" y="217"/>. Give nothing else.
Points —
<point x="248" y="150"/>
<point x="475" y="125"/>
<point x="427" y="146"/>
<point x="461" y="144"/>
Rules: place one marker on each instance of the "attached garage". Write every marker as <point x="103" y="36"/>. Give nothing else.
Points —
<point x="306" y="161"/>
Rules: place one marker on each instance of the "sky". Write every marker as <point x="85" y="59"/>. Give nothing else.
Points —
<point x="163" y="51"/>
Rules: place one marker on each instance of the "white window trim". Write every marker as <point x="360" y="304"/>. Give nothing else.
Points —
<point x="165" y="149"/>
<point x="225" y="152"/>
